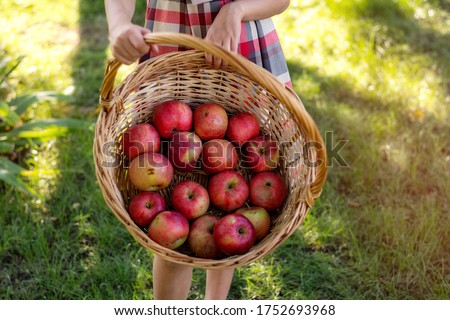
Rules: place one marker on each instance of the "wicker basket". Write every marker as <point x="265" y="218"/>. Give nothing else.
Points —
<point x="242" y="86"/>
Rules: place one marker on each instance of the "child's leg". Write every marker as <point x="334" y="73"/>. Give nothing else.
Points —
<point x="218" y="283"/>
<point x="171" y="281"/>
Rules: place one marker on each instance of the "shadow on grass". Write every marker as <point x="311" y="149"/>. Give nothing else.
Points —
<point x="71" y="246"/>
<point x="336" y="89"/>
<point x="377" y="181"/>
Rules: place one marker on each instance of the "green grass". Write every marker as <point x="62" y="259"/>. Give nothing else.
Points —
<point x="374" y="73"/>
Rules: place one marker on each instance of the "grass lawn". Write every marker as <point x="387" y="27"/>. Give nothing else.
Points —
<point x="373" y="74"/>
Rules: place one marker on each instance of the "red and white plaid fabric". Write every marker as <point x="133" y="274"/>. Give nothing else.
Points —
<point x="259" y="40"/>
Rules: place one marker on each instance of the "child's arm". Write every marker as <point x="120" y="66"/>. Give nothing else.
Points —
<point x="127" y="43"/>
<point x="260" y="9"/>
<point x="226" y="27"/>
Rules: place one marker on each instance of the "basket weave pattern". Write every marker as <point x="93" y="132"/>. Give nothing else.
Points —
<point x="240" y="87"/>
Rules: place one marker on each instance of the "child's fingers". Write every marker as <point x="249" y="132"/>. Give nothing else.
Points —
<point x="222" y="62"/>
<point x="155" y="49"/>
<point x="123" y="57"/>
<point x="128" y="44"/>
<point x="119" y="52"/>
<point x="218" y="62"/>
<point x="234" y="45"/>
<point x="132" y="50"/>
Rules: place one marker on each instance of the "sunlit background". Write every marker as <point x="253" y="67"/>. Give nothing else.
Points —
<point x="375" y="73"/>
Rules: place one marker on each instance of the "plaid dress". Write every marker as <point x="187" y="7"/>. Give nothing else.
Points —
<point x="258" y="42"/>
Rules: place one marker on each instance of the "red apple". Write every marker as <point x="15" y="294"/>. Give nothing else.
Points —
<point x="210" y="121"/>
<point x="228" y="190"/>
<point x="184" y="150"/>
<point x="260" y="154"/>
<point x="234" y="234"/>
<point x="172" y="116"/>
<point x="150" y="171"/>
<point x="260" y="219"/>
<point x="201" y="237"/>
<point x="145" y="206"/>
<point x="242" y="127"/>
<point x="191" y="199"/>
<point x="140" y="138"/>
<point x="169" y="229"/>
<point x="267" y="190"/>
<point x="219" y="155"/>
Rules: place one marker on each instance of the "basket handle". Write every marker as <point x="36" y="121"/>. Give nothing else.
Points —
<point x="252" y="71"/>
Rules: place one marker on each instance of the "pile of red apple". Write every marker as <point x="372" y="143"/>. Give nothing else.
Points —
<point x="203" y="139"/>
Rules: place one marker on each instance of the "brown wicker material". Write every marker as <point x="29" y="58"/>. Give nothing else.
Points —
<point x="242" y="86"/>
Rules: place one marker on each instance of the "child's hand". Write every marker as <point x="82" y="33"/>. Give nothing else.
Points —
<point x="127" y="43"/>
<point x="225" y="31"/>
